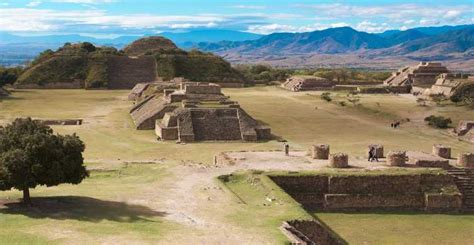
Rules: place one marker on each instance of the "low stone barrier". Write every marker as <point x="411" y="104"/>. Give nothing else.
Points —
<point x="396" y="158"/>
<point x="426" y="191"/>
<point x="466" y="160"/>
<point x="339" y="160"/>
<point x="442" y="151"/>
<point x="60" y="122"/>
<point x="374" y="184"/>
<point x="367" y="201"/>
<point x="309" y="232"/>
<point x="426" y="160"/>
<point x="443" y="202"/>
<point x="320" y="151"/>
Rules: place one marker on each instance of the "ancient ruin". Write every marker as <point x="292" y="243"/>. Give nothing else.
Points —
<point x="64" y="122"/>
<point x="422" y="75"/>
<point x="358" y="191"/>
<point x="195" y="112"/>
<point x="465" y="130"/>
<point x="466" y="160"/>
<point x="320" y="151"/>
<point x="442" y="151"/>
<point x="396" y="158"/>
<point x="450" y="85"/>
<point x="339" y="160"/>
<point x="305" y="83"/>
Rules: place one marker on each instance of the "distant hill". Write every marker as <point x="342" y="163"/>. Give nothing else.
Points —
<point x="455" y="41"/>
<point x="347" y="40"/>
<point x="329" y="41"/>
<point x="188" y="39"/>
<point x="429" y="31"/>
<point x="84" y="65"/>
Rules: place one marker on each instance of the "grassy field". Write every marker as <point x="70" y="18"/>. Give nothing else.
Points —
<point x="124" y="202"/>
<point x="401" y="228"/>
<point x="256" y="191"/>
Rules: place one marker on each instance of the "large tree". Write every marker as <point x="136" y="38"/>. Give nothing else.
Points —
<point x="31" y="155"/>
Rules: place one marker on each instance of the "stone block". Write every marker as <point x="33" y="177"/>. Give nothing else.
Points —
<point x="466" y="160"/>
<point x="442" y="151"/>
<point x="320" y="151"/>
<point x="396" y="158"/>
<point x="339" y="160"/>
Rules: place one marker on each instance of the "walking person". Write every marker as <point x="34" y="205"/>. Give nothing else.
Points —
<point x="373" y="154"/>
<point x="370" y="154"/>
<point x="287" y="149"/>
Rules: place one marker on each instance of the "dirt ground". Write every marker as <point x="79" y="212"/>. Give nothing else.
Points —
<point x="186" y="190"/>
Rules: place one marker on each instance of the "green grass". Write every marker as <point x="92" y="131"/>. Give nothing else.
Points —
<point x="401" y="228"/>
<point x="355" y="228"/>
<point x="254" y="191"/>
<point x="89" y="212"/>
<point x="301" y="118"/>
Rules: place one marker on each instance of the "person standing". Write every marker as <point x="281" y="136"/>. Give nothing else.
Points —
<point x="370" y="154"/>
<point x="287" y="149"/>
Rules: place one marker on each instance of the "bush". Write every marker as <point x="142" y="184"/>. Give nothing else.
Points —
<point x="438" y="121"/>
<point x="326" y="96"/>
<point x="342" y="103"/>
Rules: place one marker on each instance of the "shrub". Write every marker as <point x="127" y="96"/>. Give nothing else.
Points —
<point x="326" y="96"/>
<point x="342" y="103"/>
<point x="438" y="121"/>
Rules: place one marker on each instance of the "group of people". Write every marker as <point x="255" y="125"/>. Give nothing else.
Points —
<point x="395" y="124"/>
<point x="373" y="154"/>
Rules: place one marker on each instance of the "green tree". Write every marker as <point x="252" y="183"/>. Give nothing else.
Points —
<point x="31" y="155"/>
<point x="9" y="75"/>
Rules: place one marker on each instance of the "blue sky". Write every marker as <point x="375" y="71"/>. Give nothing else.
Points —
<point x="109" y="18"/>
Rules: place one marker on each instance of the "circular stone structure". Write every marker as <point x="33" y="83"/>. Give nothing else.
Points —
<point x="396" y="158"/>
<point x="442" y="151"/>
<point x="378" y="150"/>
<point x="466" y="160"/>
<point x="339" y="160"/>
<point x="320" y="151"/>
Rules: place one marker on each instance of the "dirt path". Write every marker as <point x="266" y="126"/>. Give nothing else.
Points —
<point x="193" y="197"/>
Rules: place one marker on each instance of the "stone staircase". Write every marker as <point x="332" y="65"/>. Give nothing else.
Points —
<point x="464" y="179"/>
<point x="125" y="72"/>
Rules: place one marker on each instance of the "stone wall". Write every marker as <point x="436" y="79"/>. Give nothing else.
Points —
<point x="310" y="232"/>
<point x="60" y="122"/>
<point x="66" y="85"/>
<point x="359" y="192"/>
<point x="125" y="72"/>
<point x="216" y="124"/>
<point x="202" y="88"/>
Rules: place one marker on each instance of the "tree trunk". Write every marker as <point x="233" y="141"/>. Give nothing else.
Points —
<point x="26" y="196"/>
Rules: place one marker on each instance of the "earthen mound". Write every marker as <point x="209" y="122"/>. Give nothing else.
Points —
<point x="149" y="45"/>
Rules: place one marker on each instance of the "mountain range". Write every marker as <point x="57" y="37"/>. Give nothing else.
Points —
<point x="334" y="46"/>
<point x="443" y="40"/>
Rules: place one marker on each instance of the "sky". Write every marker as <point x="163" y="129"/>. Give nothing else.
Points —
<point x="111" y="18"/>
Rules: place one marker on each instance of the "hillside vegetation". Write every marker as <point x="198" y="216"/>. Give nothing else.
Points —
<point x="84" y="65"/>
<point x="71" y="63"/>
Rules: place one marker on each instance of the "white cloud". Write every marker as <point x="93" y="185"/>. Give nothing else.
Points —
<point x="84" y="1"/>
<point x="272" y="28"/>
<point x="40" y="20"/>
<point x="249" y="6"/>
<point x="33" y="3"/>
<point x="450" y="14"/>
<point x="368" y="26"/>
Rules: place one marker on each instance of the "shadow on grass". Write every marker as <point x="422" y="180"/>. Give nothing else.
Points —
<point x="81" y="208"/>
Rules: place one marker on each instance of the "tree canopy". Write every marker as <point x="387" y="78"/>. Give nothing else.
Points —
<point x="9" y="75"/>
<point x="31" y="155"/>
